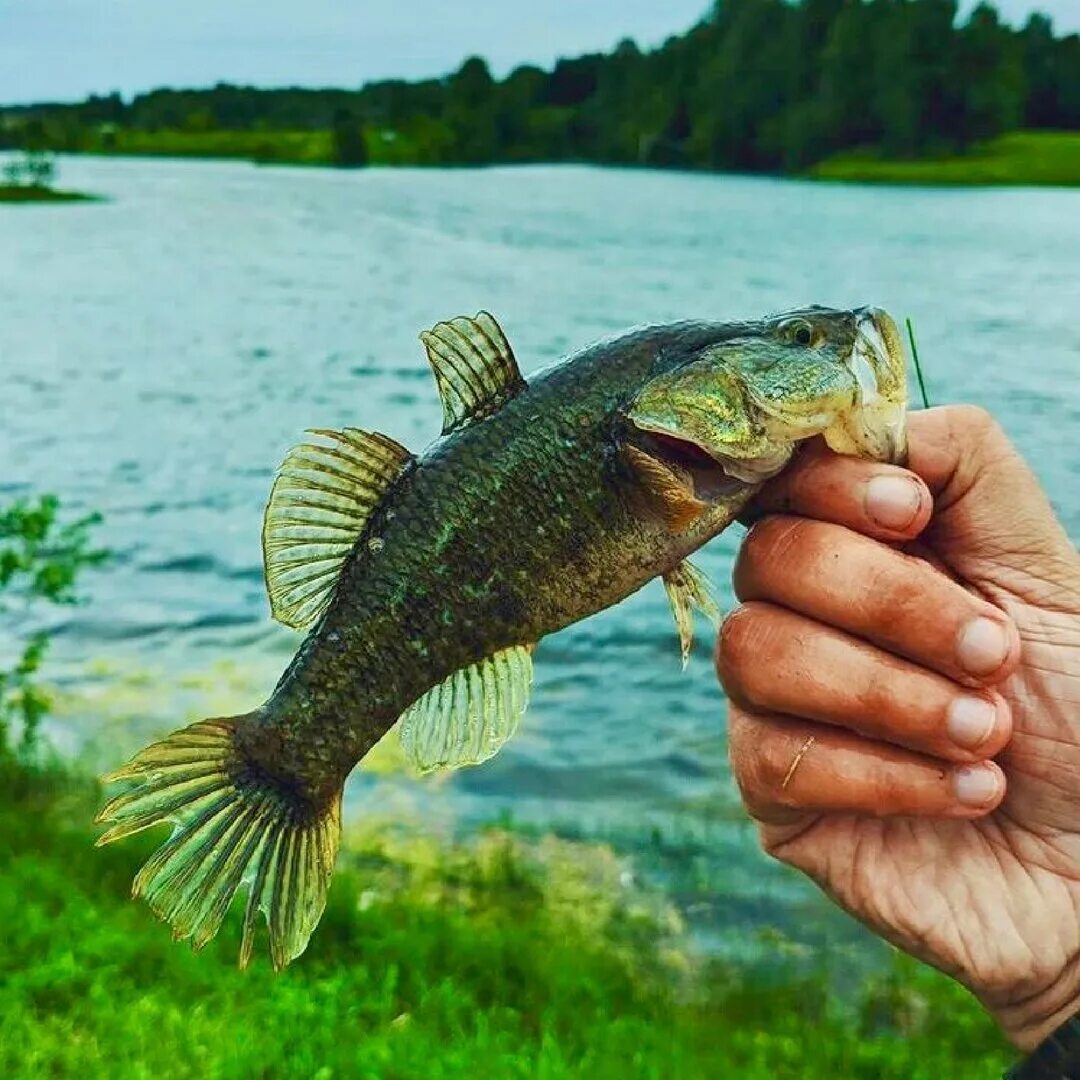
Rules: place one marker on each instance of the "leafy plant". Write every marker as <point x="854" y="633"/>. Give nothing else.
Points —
<point x="41" y="559"/>
<point x="35" y="168"/>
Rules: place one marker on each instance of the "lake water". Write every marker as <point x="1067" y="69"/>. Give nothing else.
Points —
<point x="160" y="352"/>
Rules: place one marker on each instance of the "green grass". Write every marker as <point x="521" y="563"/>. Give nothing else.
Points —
<point x="432" y="963"/>
<point x="1023" y="157"/>
<point x="418" y="144"/>
<point x="23" y="193"/>
<point x="295" y="147"/>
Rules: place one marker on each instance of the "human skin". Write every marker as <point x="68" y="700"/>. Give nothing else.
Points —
<point x="923" y="626"/>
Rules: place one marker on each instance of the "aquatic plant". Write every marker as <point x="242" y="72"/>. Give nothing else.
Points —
<point x="41" y="559"/>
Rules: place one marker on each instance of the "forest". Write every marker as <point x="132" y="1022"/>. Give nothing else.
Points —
<point x="756" y="85"/>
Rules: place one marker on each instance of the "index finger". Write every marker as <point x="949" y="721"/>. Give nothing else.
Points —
<point x="883" y="501"/>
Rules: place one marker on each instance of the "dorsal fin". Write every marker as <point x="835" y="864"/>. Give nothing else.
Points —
<point x="474" y="367"/>
<point x="467" y="717"/>
<point x="319" y="504"/>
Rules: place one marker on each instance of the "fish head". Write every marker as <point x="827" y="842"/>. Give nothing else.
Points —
<point x="736" y="410"/>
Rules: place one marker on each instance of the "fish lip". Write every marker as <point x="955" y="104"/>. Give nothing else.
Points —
<point x="879" y="363"/>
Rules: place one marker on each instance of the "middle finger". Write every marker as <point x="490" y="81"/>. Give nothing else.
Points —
<point x="897" y="601"/>
<point x="772" y="660"/>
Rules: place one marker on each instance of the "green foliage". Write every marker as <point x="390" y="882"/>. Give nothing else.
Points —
<point x="757" y="85"/>
<point x="31" y="169"/>
<point x="349" y="147"/>
<point x="431" y="963"/>
<point x="41" y="559"/>
<point x="1023" y="157"/>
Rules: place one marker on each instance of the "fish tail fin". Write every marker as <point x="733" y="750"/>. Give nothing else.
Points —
<point x="233" y="825"/>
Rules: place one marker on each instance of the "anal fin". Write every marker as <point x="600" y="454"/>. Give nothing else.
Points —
<point x="688" y="588"/>
<point x="468" y="717"/>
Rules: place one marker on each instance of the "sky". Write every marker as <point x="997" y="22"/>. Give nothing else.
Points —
<point x="61" y="50"/>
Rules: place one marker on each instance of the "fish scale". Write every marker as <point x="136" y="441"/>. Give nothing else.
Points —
<point x="427" y="581"/>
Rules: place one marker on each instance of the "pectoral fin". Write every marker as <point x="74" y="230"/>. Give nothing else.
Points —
<point x="688" y="588"/>
<point x="474" y="367"/>
<point x="319" y="505"/>
<point x="664" y="492"/>
<point x="467" y="718"/>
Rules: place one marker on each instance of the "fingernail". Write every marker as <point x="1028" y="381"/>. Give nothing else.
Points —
<point x="975" y="785"/>
<point x="970" y="721"/>
<point x="982" y="646"/>
<point x="893" y="501"/>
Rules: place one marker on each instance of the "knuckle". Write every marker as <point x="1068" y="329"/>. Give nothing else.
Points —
<point x="974" y="418"/>
<point x="973" y="425"/>
<point x="901" y="592"/>
<point x="876" y="697"/>
<point x="753" y="652"/>
<point x="741" y="734"/>
<point x="771" y="762"/>
<point x="757" y="758"/>
<point x="773" y="541"/>
<point x="740" y="634"/>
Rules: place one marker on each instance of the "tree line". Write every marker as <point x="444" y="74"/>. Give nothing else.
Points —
<point x="771" y="85"/>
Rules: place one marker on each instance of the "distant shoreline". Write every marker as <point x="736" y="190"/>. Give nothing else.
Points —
<point x="1021" y="158"/>
<point x="23" y="194"/>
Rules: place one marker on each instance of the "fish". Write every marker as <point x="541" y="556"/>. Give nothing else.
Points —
<point x="426" y="581"/>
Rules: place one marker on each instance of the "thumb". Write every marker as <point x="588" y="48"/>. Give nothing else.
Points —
<point x="993" y="524"/>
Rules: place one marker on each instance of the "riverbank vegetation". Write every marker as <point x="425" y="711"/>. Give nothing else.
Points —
<point x="757" y="85"/>
<point x="29" y="178"/>
<point x="493" y="956"/>
<point x="496" y="957"/>
<point x="1021" y="157"/>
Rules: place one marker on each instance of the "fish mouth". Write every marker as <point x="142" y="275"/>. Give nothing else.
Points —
<point x="713" y="429"/>
<point x="708" y="475"/>
<point x="877" y="426"/>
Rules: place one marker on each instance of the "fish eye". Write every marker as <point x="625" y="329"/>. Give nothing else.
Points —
<point x="800" y="332"/>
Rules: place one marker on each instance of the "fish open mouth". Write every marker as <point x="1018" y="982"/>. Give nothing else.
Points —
<point x="707" y="475"/>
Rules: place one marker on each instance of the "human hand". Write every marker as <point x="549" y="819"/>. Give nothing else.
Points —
<point x="874" y="676"/>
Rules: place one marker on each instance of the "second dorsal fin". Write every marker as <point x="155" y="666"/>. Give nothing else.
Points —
<point x="319" y="505"/>
<point x="474" y="367"/>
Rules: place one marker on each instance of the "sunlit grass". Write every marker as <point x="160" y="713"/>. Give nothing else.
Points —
<point x="498" y="958"/>
<point x="1022" y="157"/>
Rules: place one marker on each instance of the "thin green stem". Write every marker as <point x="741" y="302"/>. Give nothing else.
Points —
<point x="918" y="366"/>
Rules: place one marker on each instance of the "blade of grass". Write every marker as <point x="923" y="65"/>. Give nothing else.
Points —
<point x="918" y="366"/>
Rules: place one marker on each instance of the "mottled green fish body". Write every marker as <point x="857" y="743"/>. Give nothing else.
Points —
<point x="429" y="580"/>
